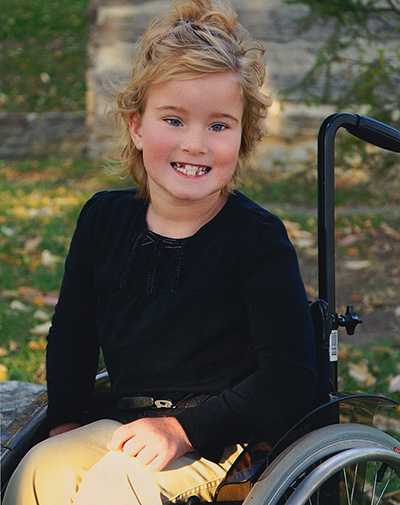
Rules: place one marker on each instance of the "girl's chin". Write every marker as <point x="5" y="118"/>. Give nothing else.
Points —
<point x="194" y="195"/>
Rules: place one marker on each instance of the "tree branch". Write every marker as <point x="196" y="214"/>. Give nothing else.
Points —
<point x="395" y="7"/>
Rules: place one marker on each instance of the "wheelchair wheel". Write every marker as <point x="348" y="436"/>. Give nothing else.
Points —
<point x="292" y="466"/>
<point x="358" y="477"/>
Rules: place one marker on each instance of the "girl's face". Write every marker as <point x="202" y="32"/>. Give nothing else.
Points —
<point x="190" y="134"/>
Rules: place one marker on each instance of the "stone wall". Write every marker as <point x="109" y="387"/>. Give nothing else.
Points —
<point x="115" y="27"/>
<point x="61" y="134"/>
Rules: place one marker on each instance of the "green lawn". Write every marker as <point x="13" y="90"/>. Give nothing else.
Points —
<point x="43" y="55"/>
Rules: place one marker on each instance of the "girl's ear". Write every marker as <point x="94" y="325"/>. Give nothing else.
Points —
<point x="135" y="129"/>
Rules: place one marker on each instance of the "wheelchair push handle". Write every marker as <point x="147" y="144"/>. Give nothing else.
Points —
<point x="373" y="132"/>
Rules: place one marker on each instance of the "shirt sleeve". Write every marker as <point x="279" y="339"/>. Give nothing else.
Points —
<point x="268" y="402"/>
<point x="72" y="345"/>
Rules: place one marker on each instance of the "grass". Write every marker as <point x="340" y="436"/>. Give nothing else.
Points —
<point x="299" y="187"/>
<point x="39" y="204"/>
<point x="43" y="55"/>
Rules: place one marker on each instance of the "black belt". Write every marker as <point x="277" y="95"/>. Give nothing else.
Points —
<point x="151" y="403"/>
<point x="129" y="408"/>
<point x="144" y="402"/>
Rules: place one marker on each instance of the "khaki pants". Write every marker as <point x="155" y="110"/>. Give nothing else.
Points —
<point x="77" y="468"/>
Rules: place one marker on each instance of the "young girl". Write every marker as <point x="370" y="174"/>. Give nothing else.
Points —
<point x="191" y="290"/>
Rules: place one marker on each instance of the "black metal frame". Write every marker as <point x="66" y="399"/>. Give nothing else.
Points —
<point x="373" y="132"/>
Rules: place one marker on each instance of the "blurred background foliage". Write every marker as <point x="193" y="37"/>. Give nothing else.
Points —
<point x="43" y="55"/>
<point x="359" y="69"/>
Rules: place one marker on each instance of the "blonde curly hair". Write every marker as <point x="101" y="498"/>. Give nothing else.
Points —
<point x="193" y="38"/>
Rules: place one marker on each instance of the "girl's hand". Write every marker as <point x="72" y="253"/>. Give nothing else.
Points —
<point x="154" y="441"/>
<point x="62" y="428"/>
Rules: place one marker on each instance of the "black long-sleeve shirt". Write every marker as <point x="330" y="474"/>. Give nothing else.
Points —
<point x="222" y="312"/>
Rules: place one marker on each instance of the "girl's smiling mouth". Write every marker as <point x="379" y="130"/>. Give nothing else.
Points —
<point x="190" y="170"/>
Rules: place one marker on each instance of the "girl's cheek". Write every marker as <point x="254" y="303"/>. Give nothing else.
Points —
<point x="227" y="151"/>
<point x="157" y="139"/>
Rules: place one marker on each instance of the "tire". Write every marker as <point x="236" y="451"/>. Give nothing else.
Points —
<point x="370" y="490"/>
<point x="300" y="458"/>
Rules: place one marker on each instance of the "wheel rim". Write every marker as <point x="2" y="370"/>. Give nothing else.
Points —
<point x="354" y="477"/>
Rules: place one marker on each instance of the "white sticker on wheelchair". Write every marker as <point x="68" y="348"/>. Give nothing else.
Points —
<point x="333" y="345"/>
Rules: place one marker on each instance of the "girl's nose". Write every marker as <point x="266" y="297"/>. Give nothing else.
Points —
<point x="195" y="142"/>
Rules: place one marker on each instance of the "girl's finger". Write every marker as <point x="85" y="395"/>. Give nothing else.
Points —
<point x="120" y="436"/>
<point x="146" y="455"/>
<point x="133" y="446"/>
<point x="158" y="464"/>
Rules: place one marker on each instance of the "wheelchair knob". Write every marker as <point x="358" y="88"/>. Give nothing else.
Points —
<point x="349" y="320"/>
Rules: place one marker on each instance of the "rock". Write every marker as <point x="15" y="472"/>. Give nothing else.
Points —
<point x="357" y="264"/>
<point x="19" y="400"/>
<point x="360" y="373"/>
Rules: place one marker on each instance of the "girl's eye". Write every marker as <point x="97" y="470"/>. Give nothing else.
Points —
<point x="173" y="121"/>
<point x="224" y="127"/>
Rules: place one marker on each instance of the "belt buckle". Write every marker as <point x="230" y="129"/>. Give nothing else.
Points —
<point x="163" y="404"/>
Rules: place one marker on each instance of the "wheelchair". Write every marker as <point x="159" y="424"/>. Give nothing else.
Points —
<point x="347" y="450"/>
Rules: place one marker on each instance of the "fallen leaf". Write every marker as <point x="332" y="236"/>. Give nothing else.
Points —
<point x="48" y="259"/>
<point x="344" y="352"/>
<point x="41" y="329"/>
<point x="17" y="305"/>
<point x="40" y="374"/>
<point x="28" y="293"/>
<point x="7" y="231"/>
<point x="311" y="251"/>
<point x="304" y="242"/>
<point x="382" y="349"/>
<point x="350" y="178"/>
<point x="37" y="345"/>
<point x="357" y="264"/>
<point x="32" y="243"/>
<point x="13" y="346"/>
<point x="44" y="77"/>
<point x="3" y="372"/>
<point x="360" y="373"/>
<point x="38" y="300"/>
<point x="394" y="384"/>
<point x="391" y="232"/>
<point x="41" y="315"/>
<point x="9" y="293"/>
<point x="349" y="240"/>
<point x="352" y="251"/>
<point x="296" y="233"/>
<point x="50" y="299"/>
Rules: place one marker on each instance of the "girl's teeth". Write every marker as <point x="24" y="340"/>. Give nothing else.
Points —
<point x="189" y="169"/>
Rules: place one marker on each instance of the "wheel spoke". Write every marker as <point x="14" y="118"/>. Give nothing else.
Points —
<point x="354" y="483"/>
<point x="374" y="487"/>
<point x="386" y="485"/>
<point x="347" y="486"/>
